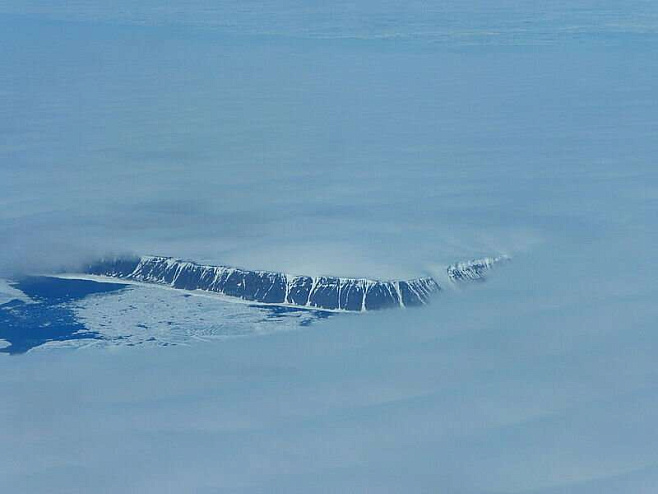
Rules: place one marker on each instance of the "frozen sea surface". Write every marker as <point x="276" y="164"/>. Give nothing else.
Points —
<point x="46" y="315"/>
<point x="71" y="313"/>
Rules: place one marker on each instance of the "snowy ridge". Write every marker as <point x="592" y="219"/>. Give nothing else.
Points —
<point x="320" y="292"/>
<point x="265" y="287"/>
<point x="473" y="270"/>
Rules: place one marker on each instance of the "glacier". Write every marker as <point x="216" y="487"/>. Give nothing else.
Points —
<point x="313" y="292"/>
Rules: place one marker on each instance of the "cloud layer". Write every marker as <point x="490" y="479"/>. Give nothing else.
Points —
<point x="349" y="158"/>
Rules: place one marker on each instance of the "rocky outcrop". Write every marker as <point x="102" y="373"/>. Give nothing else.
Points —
<point x="265" y="287"/>
<point x="473" y="270"/>
<point x="320" y="292"/>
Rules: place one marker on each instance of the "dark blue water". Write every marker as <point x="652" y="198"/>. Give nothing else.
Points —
<point x="51" y="318"/>
<point x="279" y="312"/>
<point x="28" y="325"/>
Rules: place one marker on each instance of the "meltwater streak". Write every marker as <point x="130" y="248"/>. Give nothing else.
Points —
<point x="319" y="292"/>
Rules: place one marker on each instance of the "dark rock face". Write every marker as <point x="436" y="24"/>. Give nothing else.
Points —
<point x="116" y="268"/>
<point x="473" y="270"/>
<point x="299" y="290"/>
<point x="322" y="292"/>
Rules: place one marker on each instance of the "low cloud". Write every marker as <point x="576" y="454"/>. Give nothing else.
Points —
<point x="347" y="158"/>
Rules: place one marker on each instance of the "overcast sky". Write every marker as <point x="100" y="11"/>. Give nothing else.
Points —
<point x="377" y="140"/>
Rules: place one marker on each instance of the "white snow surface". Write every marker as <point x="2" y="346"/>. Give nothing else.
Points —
<point x="9" y="293"/>
<point x="152" y="316"/>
